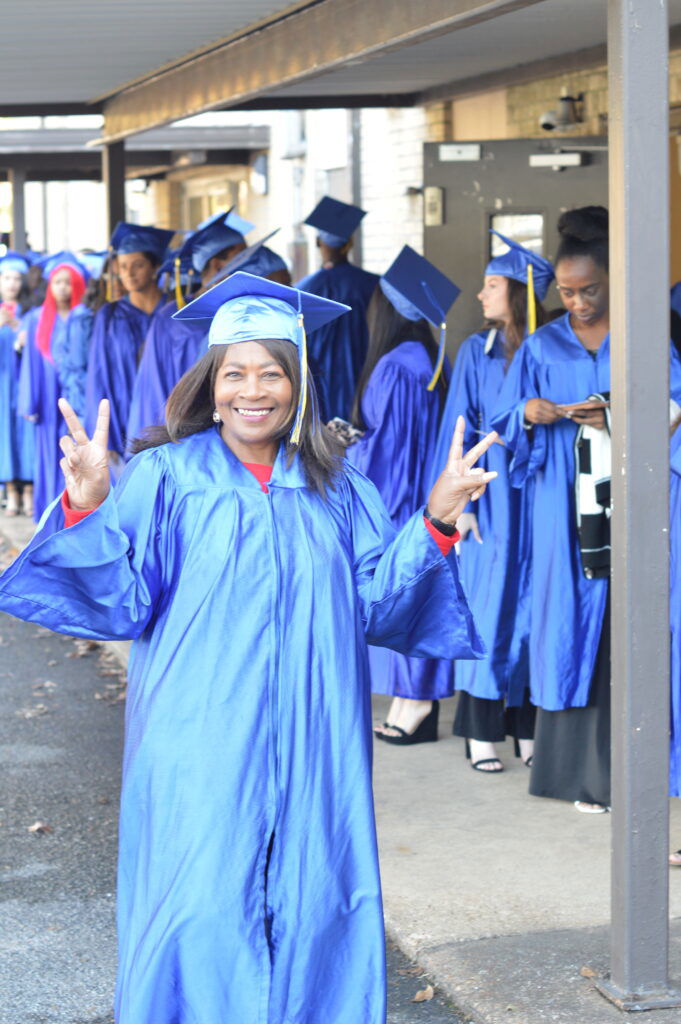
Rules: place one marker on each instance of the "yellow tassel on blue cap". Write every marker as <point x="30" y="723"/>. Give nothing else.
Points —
<point x="109" y="276"/>
<point x="302" y="403"/>
<point x="440" y="357"/>
<point x="531" y="301"/>
<point x="179" y="297"/>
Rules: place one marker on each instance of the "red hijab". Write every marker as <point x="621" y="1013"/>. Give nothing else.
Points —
<point x="49" y="309"/>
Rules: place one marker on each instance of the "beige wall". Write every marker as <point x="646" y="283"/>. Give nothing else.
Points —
<point x="480" y="117"/>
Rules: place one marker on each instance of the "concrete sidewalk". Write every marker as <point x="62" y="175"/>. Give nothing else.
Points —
<point x="501" y="897"/>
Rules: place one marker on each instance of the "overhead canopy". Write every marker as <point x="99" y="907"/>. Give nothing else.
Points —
<point x="150" y="62"/>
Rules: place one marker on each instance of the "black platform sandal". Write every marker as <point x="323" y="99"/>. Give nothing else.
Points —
<point x="425" y="731"/>
<point x="516" y="744"/>
<point x="475" y="765"/>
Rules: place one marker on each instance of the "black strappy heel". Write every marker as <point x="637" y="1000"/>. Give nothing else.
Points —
<point x="425" y="732"/>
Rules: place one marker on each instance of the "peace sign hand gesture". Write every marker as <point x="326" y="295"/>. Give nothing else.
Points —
<point x="85" y="464"/>
<point x="460" y="482"/>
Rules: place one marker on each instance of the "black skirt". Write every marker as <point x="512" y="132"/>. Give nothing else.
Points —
<point x="572" y="747"/>
<point x="490" y="721"/>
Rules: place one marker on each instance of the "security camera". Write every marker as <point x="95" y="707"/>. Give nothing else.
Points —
<point x="568" y="113"/>
<point x="548" y="120"/>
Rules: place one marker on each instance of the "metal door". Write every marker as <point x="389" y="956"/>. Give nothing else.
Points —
<point x="520" y="184"/>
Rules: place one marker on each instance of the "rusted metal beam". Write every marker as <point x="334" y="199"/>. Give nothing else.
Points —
<point x="308" y="43"/>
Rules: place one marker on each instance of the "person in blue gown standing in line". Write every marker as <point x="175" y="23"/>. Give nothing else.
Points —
<point x="17" y="440"/>
<point x="548" y="396"/>
<point x="338" y="351"/>
<point x="495" y="550"/>
<point x="74" y="349"/>
<point x="397" y="407"/>
<point x="173" y="346"/>
<point x="251" y="565"/>
<point x="120" y="328"/>
<point x="40" y="386"/>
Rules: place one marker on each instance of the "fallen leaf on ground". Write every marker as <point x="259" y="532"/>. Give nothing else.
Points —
<point x="588" y="972"/>
<point x="35" y="712"/>
<point x="40" y="828"/>
<point x="424" y="995"/>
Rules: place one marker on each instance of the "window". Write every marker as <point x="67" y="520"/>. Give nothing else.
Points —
<point x="525" y="228"/>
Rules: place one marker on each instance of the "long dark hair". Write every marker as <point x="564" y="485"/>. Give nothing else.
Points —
<point x="514" y="332"/>
<point x="584" y="232"/>
<point x="387" y="330"/>
<point x="190" y="407"/>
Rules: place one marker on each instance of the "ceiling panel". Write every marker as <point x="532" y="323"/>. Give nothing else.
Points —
<point x="75" y="50"/>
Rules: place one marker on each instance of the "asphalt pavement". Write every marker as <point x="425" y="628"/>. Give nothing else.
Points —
<point x="61" y="728"/>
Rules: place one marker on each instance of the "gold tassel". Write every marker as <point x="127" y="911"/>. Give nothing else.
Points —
<point x="440" y="357"/>
<point x="109" y="277"/>
<point x="302" y="404"/>
<point x="531" y="301"/>
<point x="179" y="298"/>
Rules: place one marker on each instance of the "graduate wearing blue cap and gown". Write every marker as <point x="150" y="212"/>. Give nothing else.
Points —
<point x="570" y="638"/>
<point x="398" y="405"/>
<point x="40" y="384"/>
<point x="338" y="351"/>
<point x="74" y="348"/>
<point x="248" y="881"/>
<point x="17" y="435"/>
<point x="173" y="346"/>
<point x="494" y="693"/>
<point x="119" y="331"/>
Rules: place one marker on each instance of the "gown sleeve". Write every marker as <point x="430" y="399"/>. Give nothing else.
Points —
<point x="73" y="367"/>
<point x="28" y="402"/>
<point x="410" y="596"/>
<point x="103" y="577"/>
<point x="528" y="447"/>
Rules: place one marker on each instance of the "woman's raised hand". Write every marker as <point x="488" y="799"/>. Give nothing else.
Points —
<point x="85" y="464"/>
<point x="460" y="482"/>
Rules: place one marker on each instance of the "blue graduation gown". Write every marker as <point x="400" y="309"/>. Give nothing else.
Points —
<point x="337" y="351"/>
<point x="675" y="615"/>
<point x="248" y="723"/>
<point x="171" y="348"/>
<point x="396" y="454"/>
<point x="566" y="608"/>
<point x="39" y="390"/>
<point x="117" y="338"/>
<point x="72" y="358"/>
<point x="496" y="573"/>
<point x="17" y="435"/>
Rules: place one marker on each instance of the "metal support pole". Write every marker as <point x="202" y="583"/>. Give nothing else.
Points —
<point x="113" y="176"/>
<point x="639" y="274"/>
<point x="356" y="169"/>
<point x="18" y="180"/>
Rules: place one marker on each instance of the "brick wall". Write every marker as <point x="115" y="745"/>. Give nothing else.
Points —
<point x="392" y="162"/>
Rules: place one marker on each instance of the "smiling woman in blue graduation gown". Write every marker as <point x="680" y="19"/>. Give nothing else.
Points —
<point x="251" y="571"/>
<point x="17" y="440"/>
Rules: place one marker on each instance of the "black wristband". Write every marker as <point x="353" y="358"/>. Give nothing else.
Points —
<point x="448" y="529"/>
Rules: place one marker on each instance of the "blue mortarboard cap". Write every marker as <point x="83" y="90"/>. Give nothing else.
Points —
<point x="94" y="262"/>
<point x="336" y="222"/>
<point x="248" y="308"/>
<point x="33" y="257"/>
<point x="418" y="290"/>
<point x="257" y="259"/>
<point x="65" y="257"/>
<point x="218" y="232"/>
<point x="128" y="238"/>
<point x="14" y="261"/>
<point x="514" y="264"/>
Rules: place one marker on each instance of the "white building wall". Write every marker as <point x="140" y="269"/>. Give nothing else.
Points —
<point x="392" y="162"/>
